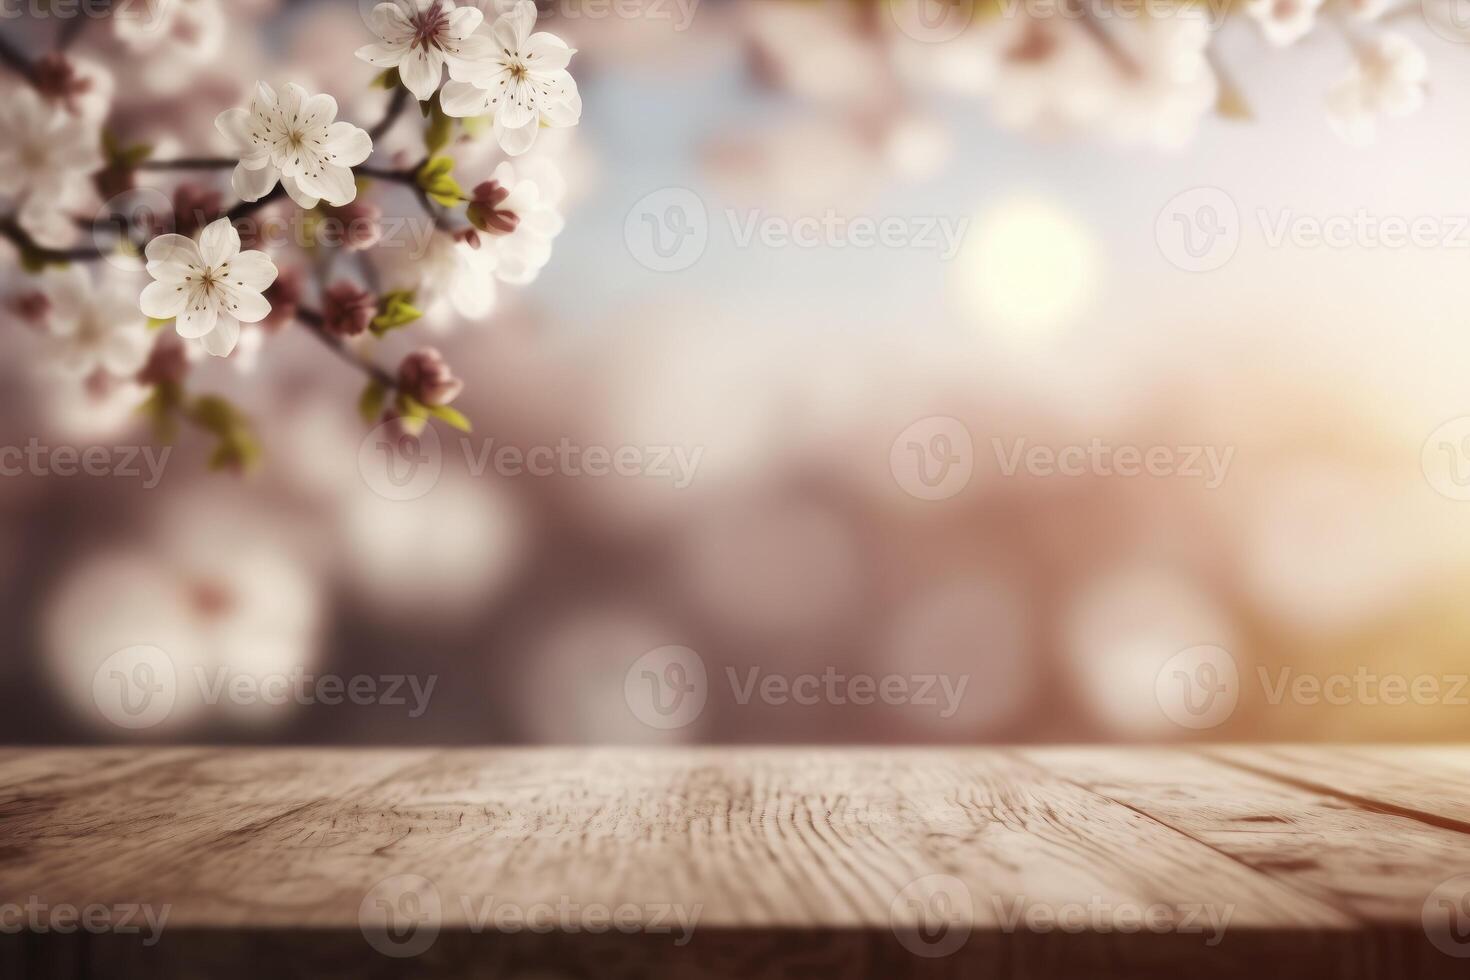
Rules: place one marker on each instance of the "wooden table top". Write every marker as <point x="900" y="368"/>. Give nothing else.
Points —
<point x="994" y="863"/>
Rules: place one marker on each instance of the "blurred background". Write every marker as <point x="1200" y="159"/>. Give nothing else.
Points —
<point x="1141" y="420"/>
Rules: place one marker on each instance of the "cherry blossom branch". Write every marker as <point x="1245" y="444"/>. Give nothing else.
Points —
<point x="395" y="109"/>
<point x="407" y="177"/>
<point x="13" y="232"/>
<point x="316" y="324"/>
<point x="188" y="163"/>
<point x="12" y="58"/>
<point x="246" y="208"/>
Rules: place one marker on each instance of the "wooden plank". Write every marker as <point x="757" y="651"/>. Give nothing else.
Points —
<point x="783" y="860"/>
<point x="98" y="826"/>
<point x="1378" y="867"/>
<point x="1430" y="782"/>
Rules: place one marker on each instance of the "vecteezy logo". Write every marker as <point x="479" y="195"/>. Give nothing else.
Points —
<point x="932" y="21"/>
<point x="1446" y="459"/>
<point x="136" y="687"/>
<point x="1450" y="19"/>
<point x="932" y="916"/>
<point x="1199" y="230"/>
<point x="667" y="687"/>
<point x="397" y="466"/>
<point x="1446" y="916"/>
<point x="401" y="915"/>
<point x="667" y="231"/>
<point x="1199" y="687"/>
<point x="934" y="458"/>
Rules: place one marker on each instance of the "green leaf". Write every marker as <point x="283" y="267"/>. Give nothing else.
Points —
<point x="124" y="157"/>
<point x="411" y="408"/>
<point x="387" y="80"/>
<point x="395" y="310"/>
<point x="451" y="417"/>
<point x="160" y="407"/>
<point x="436" y="178"/>
<point x="156" y="324"/>
<point x="370" y="402"/>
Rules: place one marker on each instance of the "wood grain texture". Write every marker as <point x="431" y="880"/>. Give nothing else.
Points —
<point x="721" y="862"/>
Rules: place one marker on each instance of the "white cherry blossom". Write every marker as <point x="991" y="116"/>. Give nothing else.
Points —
<point x="524" y="83"/>
<point x="451" y="277"/>
<point x="209" y="288"/>
<point x="521" y="255"/>
<point x="95" y="327"/>
<point x="1388" y="79"/>
<point x="46" y="157"/>
<point x="173" y="36"/>
<point x="1284" y="22"/>
<point x="296" y="140"/>
<point x="421" y="37"/>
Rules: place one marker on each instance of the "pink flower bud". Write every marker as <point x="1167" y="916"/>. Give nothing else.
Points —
<point x="33" y="307"/>
<point x="167" y="364"/>
<point x="485" y="212"/>
<point x="348" y="310"/>
<point x="284" y="296"/>
<point x="425" y="376"/>
<point x="362" y="224"/>
<point x="56" y="78"/>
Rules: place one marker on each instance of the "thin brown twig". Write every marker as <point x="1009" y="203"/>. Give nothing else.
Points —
<point x="316" y="325"/>
<point x="189" y="163"/>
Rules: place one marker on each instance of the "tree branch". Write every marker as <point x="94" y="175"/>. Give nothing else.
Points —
<point x="189" y="163"/>
<point x="313" y="322"/>
<point x="13" y="232"/>
<point x="13" y="59"/>
<point x="408" y="178"/>
<point x="395" y="109"/>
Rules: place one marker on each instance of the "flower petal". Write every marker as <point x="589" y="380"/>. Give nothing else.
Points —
<point x="299" y="194"/>
<point x="463" y="21"/>
<point x="252" y="185"/>
<point x="219" y="243"/>
<point x="234" y="125"/>
<point x="474" y="59"/>
<point x="516" y="140"/>
<point x="171" y="250"/>
<point x="222" y="339"/>
<point x="246" y="306"/>
<point x="162" y="300"/>
<point x="420" y="71"/>
<point x="520" y="20"/>
<point x="332" y="184"/>
<point x="252" y="270"/>
<point x="390" y="23"/>
<point x="198" y="317"/>
<point x="546" y="52"/>
<point x="463" y="100"/>
<point x="382" y="55"/>
<point x="318" y="112"/>
<point x="347" y="145"/>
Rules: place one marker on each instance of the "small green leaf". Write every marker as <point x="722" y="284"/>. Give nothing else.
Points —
<point x="154" y="323"/>
<point x="395" y="310"/>
<point x="370" y="402"/>
<point x="411" y="408"/>
<point x="387" y="80"/>
<point x="124" y="157"/>
<point x="436" y="178"/>
<point x="451" y="416"/>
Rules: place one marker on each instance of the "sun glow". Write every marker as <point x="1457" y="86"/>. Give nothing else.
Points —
<point x="1027" y="269"/>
